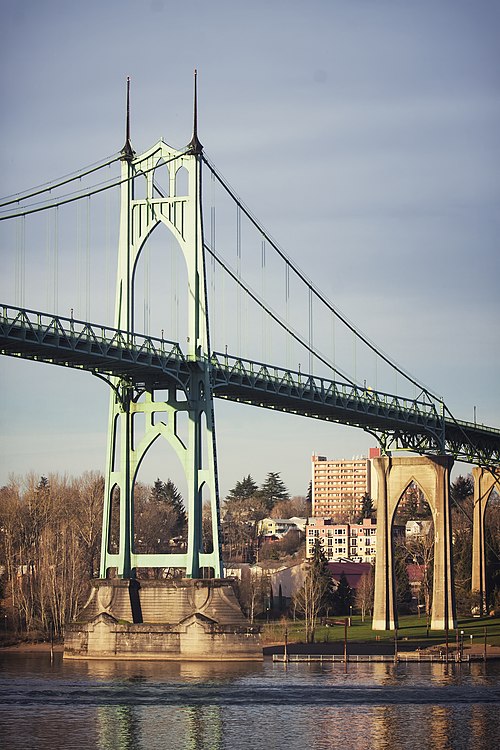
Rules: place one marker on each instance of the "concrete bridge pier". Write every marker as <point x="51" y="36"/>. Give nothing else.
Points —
<point x="432" y="474"/>
<point x="484" y="482"/>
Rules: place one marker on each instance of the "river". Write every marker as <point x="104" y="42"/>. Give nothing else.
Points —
<point x="109" y="705"/>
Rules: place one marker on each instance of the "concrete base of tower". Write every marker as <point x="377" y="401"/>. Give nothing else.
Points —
<point x="186" y="619"/>
<point x="381" y="624"/>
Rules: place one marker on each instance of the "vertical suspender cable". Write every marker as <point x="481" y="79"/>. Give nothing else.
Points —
<point x="20" y="260"/>
<point x="79" y="265"/>
<point x="310" y="331"/>
<point x="355" y="356"/>
<point x="238" y="273"/>
<point x="173" y="290"/>
<point x="147" y="285"/>
<point x="56" y="259"/>
<point x="287" y="312"/>
<point x="264" y="317"/>
<point x="87" y="264"/>
<point x="334" y="317"/>
<point x="213" y="306"/>
<point x="107" y="253"/>
<point x="48" y="263"/>
<point x="23" y="261"/>
<point x="223" y="310"/>
<point x="17" y="267"/>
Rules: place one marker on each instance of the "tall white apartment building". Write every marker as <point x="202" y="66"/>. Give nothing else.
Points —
<point x="338" y="486"/>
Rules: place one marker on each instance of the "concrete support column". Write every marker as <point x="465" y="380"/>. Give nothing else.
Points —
<point x="384" y="609"/>
<point x="443" y="593"/>
<point x="432" y="474"/>
<point x="484" y="481"/>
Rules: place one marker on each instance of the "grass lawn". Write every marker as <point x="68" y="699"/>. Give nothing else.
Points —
<point x="411" y="629"/>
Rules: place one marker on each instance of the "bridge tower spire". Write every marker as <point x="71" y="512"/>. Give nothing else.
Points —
<point x="181" y="212"/>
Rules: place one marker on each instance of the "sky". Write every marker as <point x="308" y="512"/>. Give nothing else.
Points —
<point x="364" y="135"/>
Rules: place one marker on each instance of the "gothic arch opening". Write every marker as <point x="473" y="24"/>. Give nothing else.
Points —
<point x="462" y="513"/>
<point x="113" y="541"/>
<point x="161" y="180"/>
<point x="181" y="182"/>
<point x="492" y="550"/>
<point x="412" y="535"/>
<point x="161" y="288"/>
<point x="160" y="519"/>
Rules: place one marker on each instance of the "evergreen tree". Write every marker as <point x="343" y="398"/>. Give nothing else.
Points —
<point x="166" y="496"/>
<point x="461" y="489"/>
<point x="411" y="507"/>
<point x="243" y="509"/>
<point x="273" y="490"/>
<point x="461" y="523"/>
<point x="403" y="588"/>
<point x="367" y="510"/>
<point x="343" y="597"/>
<point x="367" y="506"/>
<point x="243" y="490"/>
<point x="309" y="496"/>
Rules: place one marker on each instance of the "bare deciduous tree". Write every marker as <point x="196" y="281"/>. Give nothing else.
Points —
<point x="365" y="592"/>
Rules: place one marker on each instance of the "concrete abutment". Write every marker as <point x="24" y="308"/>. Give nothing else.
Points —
<point x="180" y="619"/>
<point x="394" y="475"/>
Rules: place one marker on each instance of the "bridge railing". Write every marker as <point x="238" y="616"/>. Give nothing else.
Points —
<point x="325" y="388"/>
<point x="33" y="326"/>
<point x="101" y="349"/>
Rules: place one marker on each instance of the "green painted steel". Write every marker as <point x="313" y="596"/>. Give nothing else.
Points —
<point x="421" y="425"/>
<point x="181" y="213"/>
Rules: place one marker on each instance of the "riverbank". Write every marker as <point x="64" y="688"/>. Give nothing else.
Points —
<point x="377" y="648"/>
<point x="24" y="647"/>
<point x="412" y="637"/>
<point x="355" y="648"/>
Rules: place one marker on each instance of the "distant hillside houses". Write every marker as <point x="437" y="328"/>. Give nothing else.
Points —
<point x="278" y="527"/>
<point x="417" y="529"/>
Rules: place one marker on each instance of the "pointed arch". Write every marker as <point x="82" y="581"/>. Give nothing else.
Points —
<point x="181" y="181"/>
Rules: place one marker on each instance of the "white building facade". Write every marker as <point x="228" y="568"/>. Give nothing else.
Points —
<point x="355" y="542"/>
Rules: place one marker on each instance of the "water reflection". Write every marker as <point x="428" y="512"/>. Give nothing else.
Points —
<point x="482" y="731"/>
<point x="107" y="705"/>
<point x="134" y="728"/>
<point x="162" y="671"/>
<point x="117" y="728"/>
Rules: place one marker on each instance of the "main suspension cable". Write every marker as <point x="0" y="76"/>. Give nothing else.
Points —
<point x="276" y="317"/>
<point x="87" y="193"/>
<point x="49" y="186"/>
<point x="301" y="275"/>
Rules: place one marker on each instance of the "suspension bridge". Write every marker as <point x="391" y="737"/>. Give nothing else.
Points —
<point x="229" y="297"/>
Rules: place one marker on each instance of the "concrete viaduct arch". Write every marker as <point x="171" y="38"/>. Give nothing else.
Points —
<point x="432" y="474"/>
<point x="485" y="480"/>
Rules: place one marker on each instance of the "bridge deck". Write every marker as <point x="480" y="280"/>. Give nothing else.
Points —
<point x="419" y="424"/>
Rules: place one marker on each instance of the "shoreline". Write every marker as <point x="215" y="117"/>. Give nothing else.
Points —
<point x="31" y="647"/>
<point x="361" y="648"/>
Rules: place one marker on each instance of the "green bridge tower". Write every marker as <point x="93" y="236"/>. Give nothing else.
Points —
<point x="181" y="212"/>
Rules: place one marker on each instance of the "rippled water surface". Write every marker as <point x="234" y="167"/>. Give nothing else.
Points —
<point x="148" y="705"/>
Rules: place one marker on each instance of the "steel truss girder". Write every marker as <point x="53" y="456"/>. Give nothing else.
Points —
<point x="419" y="425"/>
<point x="81" y="345"/>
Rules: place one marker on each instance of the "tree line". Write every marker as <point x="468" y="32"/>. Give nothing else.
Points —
<point x="50" y="537"/>
<point x="50" y="541"/>
<point x="246" y="504"/>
